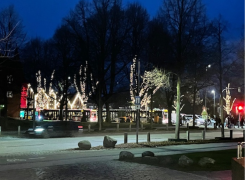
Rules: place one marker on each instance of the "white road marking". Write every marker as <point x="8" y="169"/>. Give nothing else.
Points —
<point x="15" y="160"/>
<point x="37" y="158"/>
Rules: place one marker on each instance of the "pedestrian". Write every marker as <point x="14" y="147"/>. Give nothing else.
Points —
<point x="232" y="120"/>
<point x="242" y="121"/>
<point x="184" y="119"/>
<point x="226" y="122"/>
<point x="218" y="121"/>
<point x="180" y="120"/>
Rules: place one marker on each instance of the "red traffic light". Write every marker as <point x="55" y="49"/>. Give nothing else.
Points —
<point x="240" y="108"/>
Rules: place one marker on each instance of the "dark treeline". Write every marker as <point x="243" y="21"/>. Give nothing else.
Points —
<point x="180" y="39"/>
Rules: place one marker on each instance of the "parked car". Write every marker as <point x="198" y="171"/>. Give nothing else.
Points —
<point x="199" y="120"/>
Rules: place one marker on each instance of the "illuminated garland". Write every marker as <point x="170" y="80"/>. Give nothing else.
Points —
<point x="198" y="100"/>
<point x="44" y="84"/>
<point x="38" y="75"/>
<point x="175" y="103"/>
<point x="50" y="101"/>
<point x="151" y="80"/>
<point x="227" y="99"/>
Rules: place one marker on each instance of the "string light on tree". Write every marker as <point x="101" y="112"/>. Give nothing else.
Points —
<point x="175" y="103"/>
<point x="151" y="80"/>
<point x="198" y="100"/>
<point x="227" y="99"/>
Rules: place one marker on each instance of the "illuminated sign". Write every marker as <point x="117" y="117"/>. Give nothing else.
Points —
<point x="23" y="99"/>
<point x="22" y="114"/>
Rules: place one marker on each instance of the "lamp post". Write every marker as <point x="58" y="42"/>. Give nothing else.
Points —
<point x="213" y="91"/>
<point x="31" y="100"/>
<point x="66" y="101"/>
<point x="208" y="66"/>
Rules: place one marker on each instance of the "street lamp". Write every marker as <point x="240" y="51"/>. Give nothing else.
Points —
<point x="208" y="66"/>
<point x="213" y="91"/>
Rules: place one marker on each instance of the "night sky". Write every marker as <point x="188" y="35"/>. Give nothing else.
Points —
<point x="42" y="17"/>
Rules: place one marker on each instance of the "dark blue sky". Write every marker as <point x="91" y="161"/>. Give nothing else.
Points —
<point x="42" y="17"/>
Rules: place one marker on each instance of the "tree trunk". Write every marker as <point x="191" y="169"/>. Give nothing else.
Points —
<point x="169" y="98"/>
<point x="177" y="108"/>
<point x="194" y="104"/>
<point x="108" y="119"/>
<point x="151" y="106"/>
<point x="169" y="115"/>
<point x="220" y="81"/>
<point x="61" y="109"/>
<point x="66" y="101"/>
<point x="100" y="105"/>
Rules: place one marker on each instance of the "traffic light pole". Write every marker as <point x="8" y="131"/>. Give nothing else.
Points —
<point x="33" y="115"/>
<point x="238" y="119"/>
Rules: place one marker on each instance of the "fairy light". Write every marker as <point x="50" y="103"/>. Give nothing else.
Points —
<point x="227" y="99"/>
<point x="50" y="101"/>
<point x="151" y="80"/>
<point x="38" y="75"/>
<point x="51" y="78"/>
<point x="42" y="99"/>
<point x="77" y="98"/>
<point x="45" y="84"/>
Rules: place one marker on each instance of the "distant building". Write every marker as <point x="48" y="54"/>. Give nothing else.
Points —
<point x="11" y="79"/>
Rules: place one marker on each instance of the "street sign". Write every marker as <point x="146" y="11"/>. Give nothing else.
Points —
<point x="137" y="100"/>
<point x="137" y="106"/>
<point x="9" y="94"/>
<point x="10" y="79"/>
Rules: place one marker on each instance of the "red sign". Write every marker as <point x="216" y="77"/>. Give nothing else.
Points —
<point x="23" y="99"/>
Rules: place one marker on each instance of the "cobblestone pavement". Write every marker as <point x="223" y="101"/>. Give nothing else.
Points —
<point x="103" y="165"/>
<point x="105" y="170"/>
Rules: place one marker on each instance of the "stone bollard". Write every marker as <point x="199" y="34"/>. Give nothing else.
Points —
<point x="141" y="126"/>
<point x="188" y="135"/>
<point x="167" y="126"/>
<point x="215" y="126"/>
<point x="130" y="126"/>
<point x="203" y="135"/>
<point x="244" y="135"/>
<point x="148" y="137"/>
<point x="18" y="130"/>
<point x="125" y="137"/>
<point x="187" y="125"/>
<point x="118" y="126"/>
<point x="89" y="128"/>
<point x="231" y="134"/>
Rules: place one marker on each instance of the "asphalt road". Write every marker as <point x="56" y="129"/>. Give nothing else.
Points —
<point x="10" y="145"/>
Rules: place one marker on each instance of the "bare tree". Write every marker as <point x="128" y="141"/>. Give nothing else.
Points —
<point x="226" y="59"/>
<point x="185" y="20"/>
<point x="11" y="32"/>
<point x="106" y="35"/>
